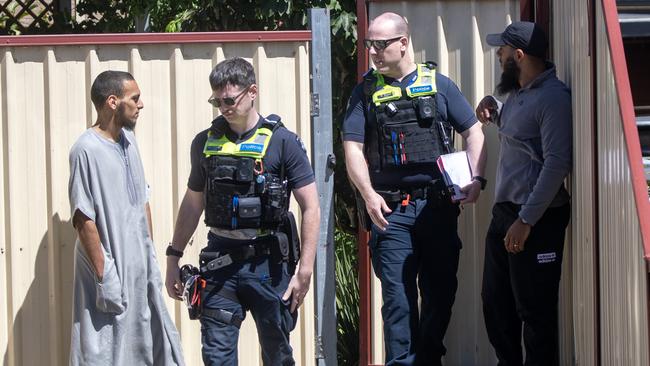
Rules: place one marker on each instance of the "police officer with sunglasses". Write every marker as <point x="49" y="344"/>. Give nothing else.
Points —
<point x="244" y="169"/>
<point x="399" y="120"/>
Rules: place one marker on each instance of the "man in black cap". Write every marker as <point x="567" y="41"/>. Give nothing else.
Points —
<point x="525" y="240"/>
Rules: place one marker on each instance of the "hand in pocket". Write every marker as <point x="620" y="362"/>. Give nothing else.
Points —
<point x="109" y="289"/>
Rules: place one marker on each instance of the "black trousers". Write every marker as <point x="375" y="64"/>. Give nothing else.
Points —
<point x="522" y="289"/>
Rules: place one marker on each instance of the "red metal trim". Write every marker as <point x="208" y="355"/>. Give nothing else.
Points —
<point x="362" y="28"/>
<point x="527" y="10"/>
<point x="624" y="92"/>
<point x="543" y="19"/>
<point x="155" y="38"/>
<point x="365" y="305"/>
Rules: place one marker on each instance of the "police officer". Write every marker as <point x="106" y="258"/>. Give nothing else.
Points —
<point x="399" y="120"/>
<point x="525" y="240"/>
<point x="244" y="168"/>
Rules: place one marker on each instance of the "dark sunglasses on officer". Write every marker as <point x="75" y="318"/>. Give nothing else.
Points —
<point x="228" y="101"/>
<point x="379" y="44"/>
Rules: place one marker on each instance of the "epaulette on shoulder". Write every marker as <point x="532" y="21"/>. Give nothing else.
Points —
<point x="369" y="81"/>
<point x="369" y="73"/>
<point x="272" y="122"/>
<point x="431" y="65"/>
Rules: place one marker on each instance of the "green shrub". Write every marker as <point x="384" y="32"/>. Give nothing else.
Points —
<point x="347" y="299"/>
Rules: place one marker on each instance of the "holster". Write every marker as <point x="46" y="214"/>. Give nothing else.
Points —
<point x="281" y="250"/>
<point x="195" y="293"/>
<point x="290" y="230"/>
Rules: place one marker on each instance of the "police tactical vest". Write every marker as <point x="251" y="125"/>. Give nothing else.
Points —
<point x="407" y="130"/>
<point x="239" y="193"/>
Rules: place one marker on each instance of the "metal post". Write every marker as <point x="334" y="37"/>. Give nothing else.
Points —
<point x="323" y="162"/>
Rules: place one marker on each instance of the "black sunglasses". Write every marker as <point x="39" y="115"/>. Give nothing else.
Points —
<point x="229" y="101"/>
<point x="379" y="44"/>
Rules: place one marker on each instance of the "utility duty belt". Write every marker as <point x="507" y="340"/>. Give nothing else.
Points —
<point x="212" y="260"/>
<point x="404" y="195"/>
<point x="281" y="246"/>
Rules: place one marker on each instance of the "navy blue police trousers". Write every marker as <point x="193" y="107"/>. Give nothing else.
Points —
<point x="259" y="284"/>
<point x="419" y="249"/>
<point x="520" y="291"/>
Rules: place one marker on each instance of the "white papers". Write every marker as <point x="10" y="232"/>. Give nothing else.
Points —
<point x="456" y="172"/>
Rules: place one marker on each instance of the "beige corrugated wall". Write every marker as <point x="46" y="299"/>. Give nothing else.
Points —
<point x="607" y="248"/>
<point x="623" y="272"/>
<point x="570" y="39"/>
<point x="45" y="106"/>
<point x="452" y="33"/>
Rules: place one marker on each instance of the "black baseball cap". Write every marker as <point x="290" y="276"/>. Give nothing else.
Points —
<point x="527" y="36"/>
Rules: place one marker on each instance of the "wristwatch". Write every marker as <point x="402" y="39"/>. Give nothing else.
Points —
<point x="481" y="180"/>
<point x="171" y="251"/>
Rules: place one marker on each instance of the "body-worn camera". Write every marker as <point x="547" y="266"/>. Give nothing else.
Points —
<point x="391" y="109"/>
<point x="426" y="108"/>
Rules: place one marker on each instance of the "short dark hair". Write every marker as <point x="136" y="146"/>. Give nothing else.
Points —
<point x="106" y="84"/>
<point x="233" y="71"/>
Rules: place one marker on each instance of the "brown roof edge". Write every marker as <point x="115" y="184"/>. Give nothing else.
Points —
<point x="155" y="38"/>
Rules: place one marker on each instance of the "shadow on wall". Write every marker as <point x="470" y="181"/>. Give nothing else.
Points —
<point x="47" y="303"/>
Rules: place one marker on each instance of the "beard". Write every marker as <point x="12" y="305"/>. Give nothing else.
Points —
<point x="509" y="78"/>
<point x="125" y="121"/>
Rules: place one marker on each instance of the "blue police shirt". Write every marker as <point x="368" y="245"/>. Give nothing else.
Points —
<point x="451" y="106"/>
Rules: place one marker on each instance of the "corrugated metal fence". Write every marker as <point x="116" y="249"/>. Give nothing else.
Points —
<point x="623" y="272"/>
<point x="609" y="274"/>
<point x="45" y="106"/>
<point x="573" y="57"/>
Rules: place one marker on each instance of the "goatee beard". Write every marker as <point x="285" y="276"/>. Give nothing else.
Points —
<point x="124" y="121"/>
<point x="509" y="78"/>
<point x="128" y="124"/>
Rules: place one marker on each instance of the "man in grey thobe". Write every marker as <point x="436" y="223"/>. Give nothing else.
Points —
<point x="119" y="316"/>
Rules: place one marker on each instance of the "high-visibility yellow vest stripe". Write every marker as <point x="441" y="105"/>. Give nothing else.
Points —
<point x="254" y="147"/>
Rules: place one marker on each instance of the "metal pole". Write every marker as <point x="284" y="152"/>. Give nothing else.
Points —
<point x="323" y="162"/>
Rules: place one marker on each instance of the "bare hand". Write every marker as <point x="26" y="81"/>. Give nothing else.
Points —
<point x="472" y="191"/>
<point x="377" y="207"/>
<point x="297" y="289"/>
<point x="173" y="280"/>
<point x="516" y="236"/>
<point x="486" y="111"/>
<point x="99" y="270"/>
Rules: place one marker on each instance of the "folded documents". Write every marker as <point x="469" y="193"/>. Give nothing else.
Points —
<point x="456" y="172"/>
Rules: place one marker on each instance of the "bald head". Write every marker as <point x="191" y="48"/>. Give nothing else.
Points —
<point x="390" y="23"/>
